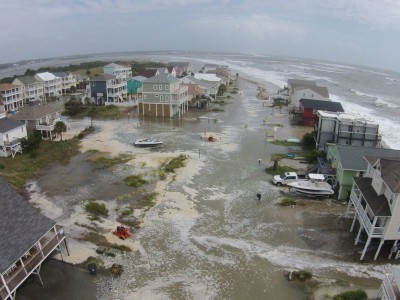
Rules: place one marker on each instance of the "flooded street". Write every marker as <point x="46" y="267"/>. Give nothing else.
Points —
<point x="210" y="237"/>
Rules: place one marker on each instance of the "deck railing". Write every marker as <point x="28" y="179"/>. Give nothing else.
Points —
<point x="387" y="287"/>
<point x="30" y="263"/>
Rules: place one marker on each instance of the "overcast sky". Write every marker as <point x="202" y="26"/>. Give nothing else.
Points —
<point x="364" y="32"/>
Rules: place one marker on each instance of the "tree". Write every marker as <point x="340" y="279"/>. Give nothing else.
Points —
<point x="59" y="128"/>
<point x="308" y="140"/>
<point x="276" y="158"/>
<point x="221" y="90"/>
<point x="73" y="107"/>
<point x="73" y="89"/>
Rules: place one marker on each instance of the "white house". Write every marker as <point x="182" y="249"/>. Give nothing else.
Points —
<point x="68" y="80"/>
<point x="52" y="84"/>
<point x="33" y="89"/>
<point x="11" y="96"/>
<point x="308" y="92"/>
<point x="11" y="131"/>
<point x="376" y="201"/>
<point x="119" y="71"/>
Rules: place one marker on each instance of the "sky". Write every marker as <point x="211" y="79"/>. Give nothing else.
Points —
<point x="361" y="32"/>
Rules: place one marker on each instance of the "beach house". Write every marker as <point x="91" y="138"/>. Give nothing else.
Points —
<point x="348" y="162"/>
<point x="51" y="83"/>
<point x="27" y="238"/>
<point x="181" y="68"/>
<point x="118" y="70"/>
<point x="40" y="117"/>
<point x="345" y="129"/>
<point x="134" y="86"/>
<point x="33" y="89"/>
<point x="11" y="97"/>
<point x="11" y="133"/>
<point x="375" y="198"/>
<point x="308" y="108"/>
<point x="68" y="81"/>
<point x="107" y="89"/>
<point x="163" y="96"/>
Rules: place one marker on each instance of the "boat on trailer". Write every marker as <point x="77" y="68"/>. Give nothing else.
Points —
<point x="147" y="143"/>
<point x="314" y="187"/>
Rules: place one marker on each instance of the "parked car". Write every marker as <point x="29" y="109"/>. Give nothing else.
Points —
<point x="288" y="177"/>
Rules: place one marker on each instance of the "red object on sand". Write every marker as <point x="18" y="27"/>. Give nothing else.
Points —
<point x="122" y="232"/>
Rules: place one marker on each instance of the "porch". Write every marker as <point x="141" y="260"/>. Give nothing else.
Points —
<point x="30" y="262"/>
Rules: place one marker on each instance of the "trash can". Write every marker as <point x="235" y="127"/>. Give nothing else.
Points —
<point x="92" y="269"/>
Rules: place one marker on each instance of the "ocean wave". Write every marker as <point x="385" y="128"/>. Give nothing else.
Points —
<point x="382" y="102"/>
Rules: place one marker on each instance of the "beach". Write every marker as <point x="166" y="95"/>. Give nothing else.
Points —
<point x="206" y="236"/>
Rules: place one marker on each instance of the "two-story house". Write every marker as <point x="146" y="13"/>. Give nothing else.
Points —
<point x="118" y="70"/>
<point x="163" y="96"/>
<point x="33" y="89"/>
<point x="181" y="68"/>
<point x="348" y="162"/>
<point x="51" y="83"/>
<point x="11" y="96"/>
<point x="11" y="133"/>
<point x="27" y="239"/>
<point x="40" y="117"/>
<point x="376" y="199"/>
<point x="68" y="80"/>
<point x="134" y="87"/>
<point x="345" y="129"/>
<point x="107" y="89"/>
<point x="308" y="109"/>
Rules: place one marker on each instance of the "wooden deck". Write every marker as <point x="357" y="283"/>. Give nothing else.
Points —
<point x="29" y="262"/>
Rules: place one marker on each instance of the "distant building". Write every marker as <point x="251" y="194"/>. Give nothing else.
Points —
<point x="11" y="133"/>
<point x="149" y="72"/>
<point x="308" y="92"/>
<point x="375" y="198"/>
<point x="33" y="89"/>
<point x="27" y="238"/>
<point x="163" y="96"/>
<point x="51" y="83"/>
<point x="309" y="107"/>
<point x="68" y="80"/>
<point x="11" y="96"/>
<point x="345" y="129"/>
<point x="181" y="68"/>
<point x="107" y="89"/>
<point x="118" y="70"/>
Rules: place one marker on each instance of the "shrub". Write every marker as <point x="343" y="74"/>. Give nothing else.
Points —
<point x="175" y="163"/>
<point x="311" y="156"/>
<point x="96" y="208"/>
<point x="302" y="275"/>
<point x="116" y="269"/>
<point x="287" y="201"/>
<point x="1" y="166"/>
<point x="162" y="175"/>
<point x="33" y="155"/>
<point x="308" y="140"/>
<point x="135" y="180"/>
<point x="352" y="295"/>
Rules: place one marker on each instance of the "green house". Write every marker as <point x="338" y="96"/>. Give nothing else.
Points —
<point x="348" y="162"/>
<point x="134" y="85"/>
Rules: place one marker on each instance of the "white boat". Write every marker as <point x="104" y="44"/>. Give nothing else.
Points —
<point x="315" y="187"/>
<point x="147" y="143"/>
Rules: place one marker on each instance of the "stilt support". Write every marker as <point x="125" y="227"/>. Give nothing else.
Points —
<point x="379" y="249"/>
<point x="365" y="248"/>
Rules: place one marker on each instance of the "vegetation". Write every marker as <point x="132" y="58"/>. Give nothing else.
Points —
<point x="302" y="275"/>
<point x="59" y="128"/>
<point x="85" y="132"/>
<point x="102" y="162"/>
<point x="175" y="163"/>
<point x="287" y="201"/>
<point x="100" y="240"/>
<point x="72" y="107"/>
<point x="135" y="180"/>
<point x="279" y="170"/>
<point x="96" y="208"/>
<point x="311" y="156"/>
<point x="33" y="142"/>
<point x="17" y="171"/>
<point x="116" y="269"/>
<point x="148" y="200"/>
<point x="352" y="295"/>
<point x="284" y="143"/>
<point x="276" y="158"/>
<point x="221" y="90"/>
<point x="308" y="141"/>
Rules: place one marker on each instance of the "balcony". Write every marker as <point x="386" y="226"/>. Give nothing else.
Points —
<point x="47" y="127"/>
<point x="29" y="262"/>
<point x="390" y="288"/>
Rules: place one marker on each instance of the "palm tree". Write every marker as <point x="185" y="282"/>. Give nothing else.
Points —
<point x="59" y="128"/>
<point x="276" y="158"/>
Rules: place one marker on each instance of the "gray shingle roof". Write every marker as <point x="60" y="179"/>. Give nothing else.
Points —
<point x="61" y="74"/>
<point x="26" y="80"/>
<point x="21" y="226"/>
<point x="103" y="77"/>
<point x="390" y="172"/>
<point x="378" y="204"/>
<point x="35" y="112"/>
<point x="322" y="105"/>
<point x="352" y="157"/>
<point x="7" y="124"/>
<point x="162" y="78"/>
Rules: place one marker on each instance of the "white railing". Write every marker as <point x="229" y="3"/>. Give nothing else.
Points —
<point x="388" y="287"/>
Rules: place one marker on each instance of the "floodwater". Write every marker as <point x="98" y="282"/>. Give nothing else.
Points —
<point x="227" y="245"/>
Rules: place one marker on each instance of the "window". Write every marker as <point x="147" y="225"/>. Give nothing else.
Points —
<point x="398" y="229"/>
<point x="156" y="95"/>
<point x="160" y="87"/>
<point x="361" y="174"/>
<point x="167" y="87"/>
<point x="161" y="98"/>
<point x="155" y="87"/>
<point x="166" y="97"/>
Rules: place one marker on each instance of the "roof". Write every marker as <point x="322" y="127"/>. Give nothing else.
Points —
<point x="352" y="157"/>
<point x="114" y="65"/>
<point x="148" y="73"/>
<point x="8" y="86"/>
<point x="207" y="77"/>
<point x="194" y="89"/>
<point x="296" y="82"/>
<point x="61" y="74"/>
<point x="7" y="124"/>
<point x="35" y="112"/>
<point x="170" y="69"/>
<point x="46" y="76"/>
<point x="25" y="80"/>
<point x="103" y="77"/>
<point x="139" y="78"/>
<point x="162" y="78"/>
<point x="390" y="173"/>
<point x="343" y="117"/>
<point x="321" y="105"/>
<point x="21" y="226"/>
<point x="378" y="204"/>
<point x="320" y="90"/>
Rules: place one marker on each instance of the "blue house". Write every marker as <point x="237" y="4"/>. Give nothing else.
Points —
<point x="134" y="86"/>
